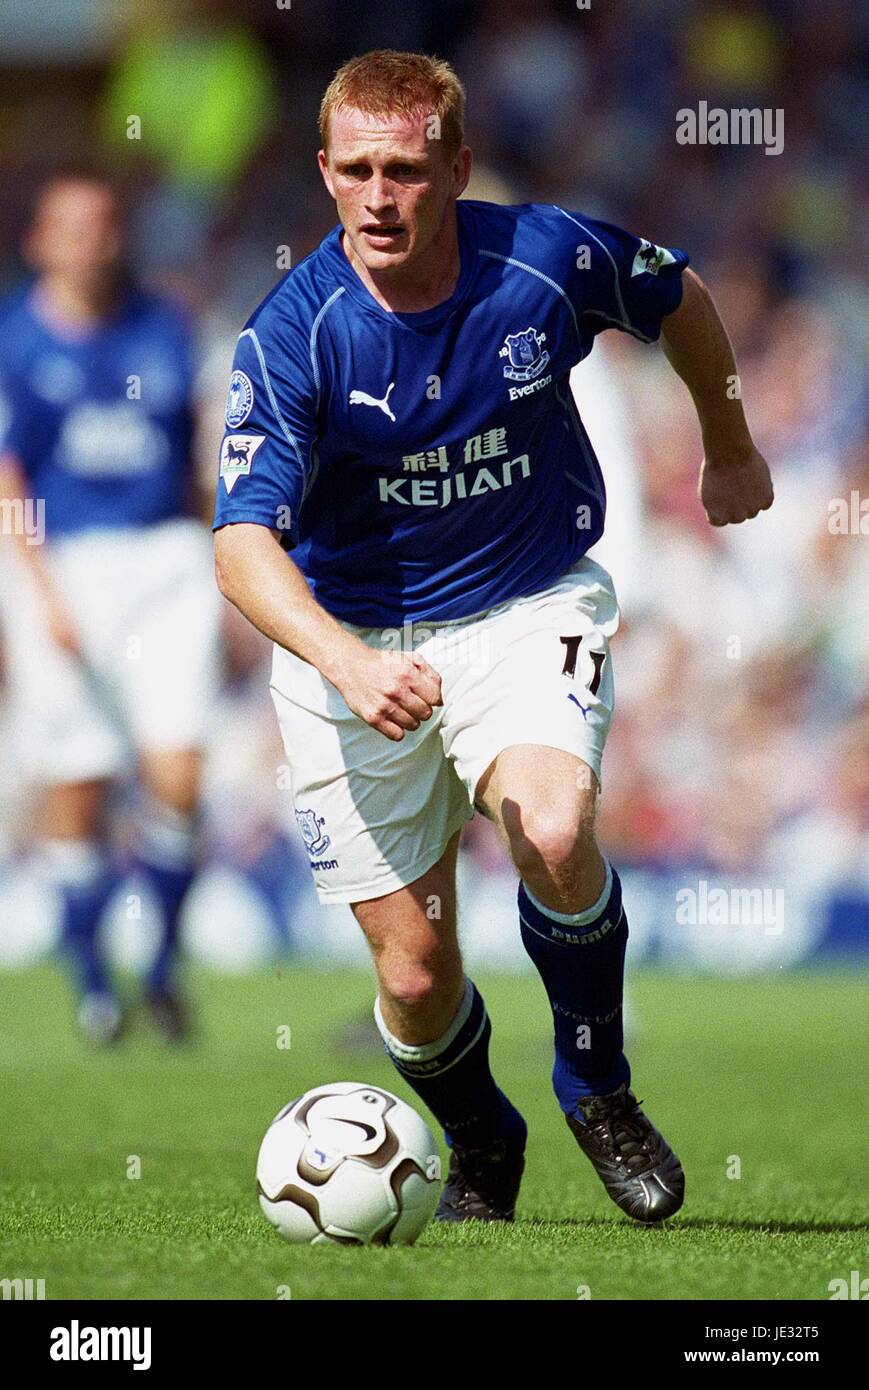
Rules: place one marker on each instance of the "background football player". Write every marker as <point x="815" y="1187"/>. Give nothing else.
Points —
<point x="109" y="611"/>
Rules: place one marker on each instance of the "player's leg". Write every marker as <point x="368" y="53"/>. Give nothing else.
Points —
<point x="75" y="857"/>
<point x="167" y="692"/>
<point x="575" y="930"/>
<point x="165" y="853"/>
<point x="380" y="823"/>
<point x="70" y="750"/>
<point x="543" y="801"/>
<point x="411" y="934"/>
<point x="436" y="1032"/>
<point x="526" y="727"/>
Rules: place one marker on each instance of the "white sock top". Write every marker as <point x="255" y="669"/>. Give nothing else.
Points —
<point x="577" y="919"/>
<point x="423" y="1052"/>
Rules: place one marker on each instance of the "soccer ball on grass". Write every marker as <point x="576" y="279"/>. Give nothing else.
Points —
<point x="348" y="1164"/>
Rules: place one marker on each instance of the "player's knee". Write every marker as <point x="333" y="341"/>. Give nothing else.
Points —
<point x="550" y="841"/>
<point x="74" y="812"/>
<point x="174" y="784"/>
<point x="410" y="988"/>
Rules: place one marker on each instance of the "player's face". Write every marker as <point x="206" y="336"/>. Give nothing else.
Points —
<point x="392" y="186"/>
<point x="76" y="234"/>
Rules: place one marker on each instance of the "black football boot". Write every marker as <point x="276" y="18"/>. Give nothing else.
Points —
<point x="482" y="1184"/>
<point x="633" y="1161"/>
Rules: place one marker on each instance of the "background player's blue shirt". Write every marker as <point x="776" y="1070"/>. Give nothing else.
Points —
<point x="100" y="420"/>
<point x="430" y="465"/>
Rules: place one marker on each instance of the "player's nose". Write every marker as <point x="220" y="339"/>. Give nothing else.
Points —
<point x="380" y="195"/>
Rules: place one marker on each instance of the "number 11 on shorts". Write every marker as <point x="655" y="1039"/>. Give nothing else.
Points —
<point x="572" y="645"/>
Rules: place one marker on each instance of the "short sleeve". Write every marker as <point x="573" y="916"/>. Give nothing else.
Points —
<point x="623" y="281"/>
<point x="266" y="455"/>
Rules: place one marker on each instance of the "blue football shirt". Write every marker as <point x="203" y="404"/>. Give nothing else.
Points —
<point x="100" y="420"/>
<point x="430" y="465"/>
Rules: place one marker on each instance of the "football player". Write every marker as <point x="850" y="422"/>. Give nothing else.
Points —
<point x="109" y="612"/>
<point x="405" y="502"/>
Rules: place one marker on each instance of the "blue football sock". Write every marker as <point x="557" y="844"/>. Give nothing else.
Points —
<point x="452" y="1077"/>
<point x="165" y="855"/>
<point x="85" y="877"/>
<point x="581" y="960"/>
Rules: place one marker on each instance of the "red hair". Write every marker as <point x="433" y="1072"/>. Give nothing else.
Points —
<point x="387" y="83"/>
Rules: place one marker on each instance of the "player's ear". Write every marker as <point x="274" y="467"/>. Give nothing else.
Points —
<point x="462" y="170"/>
<point x="323" y="162"/>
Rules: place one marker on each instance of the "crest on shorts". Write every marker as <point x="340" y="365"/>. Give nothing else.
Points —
<point x="527" y="355"/>
<point x="310" y="825"/>
<point x="236" y="456"/>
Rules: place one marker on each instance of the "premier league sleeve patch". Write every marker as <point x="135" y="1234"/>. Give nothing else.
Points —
<point x="236" y="456"/>
<point x="239" y="400"/>
<point x="650" y="258"/>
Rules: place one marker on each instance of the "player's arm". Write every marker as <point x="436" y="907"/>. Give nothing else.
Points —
<point x="391" y="691"/>
<point x="618" y="280"/>
<point x="734" y="479"/>
<point x="14" y="492"/>
<point x="266" y="462"/>
<point x="16" y="444"/>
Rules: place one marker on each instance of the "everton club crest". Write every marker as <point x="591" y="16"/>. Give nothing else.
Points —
<point x="311" y="825"/>
<point x="527" y="355"/>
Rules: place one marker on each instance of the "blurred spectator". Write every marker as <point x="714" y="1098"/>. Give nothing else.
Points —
<point x="190" y="93"/>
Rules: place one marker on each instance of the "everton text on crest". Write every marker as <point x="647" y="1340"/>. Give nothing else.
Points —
<point x="527" y="359"/>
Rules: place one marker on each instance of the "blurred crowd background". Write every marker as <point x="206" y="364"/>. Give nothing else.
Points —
<point x="740" y="749"/>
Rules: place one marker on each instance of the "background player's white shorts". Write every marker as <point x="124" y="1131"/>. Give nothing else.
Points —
<point x="376" y="814"/>
<point x="146" y="609"/>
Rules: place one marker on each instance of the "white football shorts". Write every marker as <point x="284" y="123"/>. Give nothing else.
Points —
<point x="146" y="610"/>
<point x="376" y="814"/>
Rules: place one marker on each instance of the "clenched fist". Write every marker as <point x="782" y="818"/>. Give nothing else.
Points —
<point x="391" y="691"/>
<point x="734" y="486"/>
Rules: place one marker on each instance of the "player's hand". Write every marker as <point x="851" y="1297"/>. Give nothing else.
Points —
<point x="391" y="691"/>
<point x="734" y="486"/>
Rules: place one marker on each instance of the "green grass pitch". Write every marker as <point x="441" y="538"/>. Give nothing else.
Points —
<point x="771" y="1071"/>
